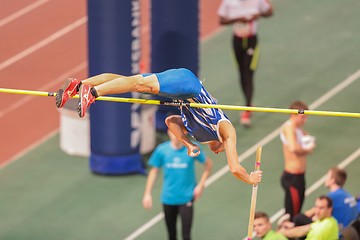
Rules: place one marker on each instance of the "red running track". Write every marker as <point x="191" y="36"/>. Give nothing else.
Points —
<point x="43" y="42"/>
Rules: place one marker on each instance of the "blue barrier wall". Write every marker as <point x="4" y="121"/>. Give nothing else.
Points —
<point x="175" y="41"/>
<point x="114" y="46"/>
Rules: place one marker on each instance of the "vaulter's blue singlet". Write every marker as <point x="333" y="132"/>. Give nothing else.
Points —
<point x="182" y="85"/>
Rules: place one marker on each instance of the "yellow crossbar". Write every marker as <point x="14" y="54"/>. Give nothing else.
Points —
<point x="194" y="105"/>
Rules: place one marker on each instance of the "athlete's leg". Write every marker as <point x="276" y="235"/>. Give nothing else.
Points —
<point x="239" y="45"/>
<point x="249" y="63"/>
<point x="176" y="126"/>
<point x="300" y="186"/>
<point x="286" y="184"/>
<point x="100" y="79"/>
<point x="178" y="84"/>
<point x="109" y="85"/>
<point x="247" y="85"/>
<point x="247" y="57"/>
<point x="239" y="56"/>
<point x="171" y="212"/>
<point x="136" y="83"/>
<point x="174" y="83"/>
<point x="294" y="186"/>
<point x="186" y="214"/>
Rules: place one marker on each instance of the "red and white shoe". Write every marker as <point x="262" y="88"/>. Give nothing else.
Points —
<point x="245" y="118"/>
<point x="85" y="100"/>
<point x="67" y="91"/>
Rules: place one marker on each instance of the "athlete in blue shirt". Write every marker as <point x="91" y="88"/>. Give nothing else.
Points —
<point x="344" y="204"/>
<point x="207" y="125"/>
<point x="344" y="208"/>
<point x="179" y="189"/>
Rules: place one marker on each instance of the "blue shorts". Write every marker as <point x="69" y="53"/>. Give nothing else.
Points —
<point x="177" y="83"/>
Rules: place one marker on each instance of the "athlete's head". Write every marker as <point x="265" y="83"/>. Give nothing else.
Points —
<point x="176" y="143"/>
<point x="335" y="177"/>
<point x="262" y="224"/>
<point x="299" y="119"/>
<point x="323" y="207"/>
<point x="216" y="146"/>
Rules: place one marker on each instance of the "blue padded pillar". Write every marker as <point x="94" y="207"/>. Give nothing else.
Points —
<point x="175" y="41"/>
<point x="114" y="47"/>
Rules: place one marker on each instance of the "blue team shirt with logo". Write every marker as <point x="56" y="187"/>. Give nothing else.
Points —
<point x="344" y="206"/>
<point x="179" y="179"/>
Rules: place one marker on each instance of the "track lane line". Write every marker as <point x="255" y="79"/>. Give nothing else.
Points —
<point x="22" y="12"/>
<point x="43" y="43"/>
<point x="74" y="70"/>
<point x="49" y="85"/>
<point x="29" y="148"/>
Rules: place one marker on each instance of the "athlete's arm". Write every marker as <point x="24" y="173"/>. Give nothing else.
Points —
<point x="293" y="145"/>
<point x="228" y="136"/>
<point x="177" y="128"/>
<point x="200" y="186"/>
<point x="296" y="232"/>
<point x="147" y="198"/>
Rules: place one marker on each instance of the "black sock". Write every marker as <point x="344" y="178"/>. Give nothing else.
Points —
<point x="94" y="92"/>
<point x="78" y="87"/>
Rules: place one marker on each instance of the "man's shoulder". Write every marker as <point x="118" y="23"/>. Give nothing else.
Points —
<point x="323" y="222"/>
<point x="272" y="235"/>
<point x="338" y="193"/>
<point x="287" y="125"/>
<point x="162" y="146"/>
<point x="331" y="221"/>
